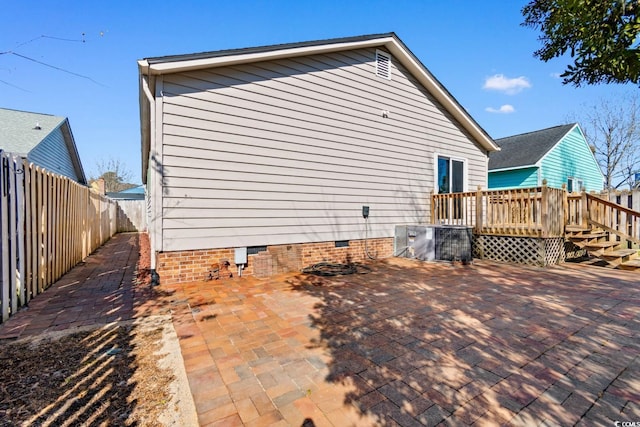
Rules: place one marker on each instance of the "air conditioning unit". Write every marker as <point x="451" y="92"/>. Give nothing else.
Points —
<point x="433" y="242"/>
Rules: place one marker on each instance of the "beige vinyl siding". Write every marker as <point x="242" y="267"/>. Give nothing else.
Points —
<point x="289" y="151"/>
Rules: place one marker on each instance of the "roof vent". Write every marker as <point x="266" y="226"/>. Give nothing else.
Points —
<point x="37" y="127"/>
<point x="383" y="65"/>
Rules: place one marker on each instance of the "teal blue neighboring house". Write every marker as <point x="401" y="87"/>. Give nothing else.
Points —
<point x="42" y="139"/>
<point x="559" y="154"/>
<point x="134" y="193"/>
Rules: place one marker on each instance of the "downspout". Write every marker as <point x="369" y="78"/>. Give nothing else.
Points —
<point x="150" y="183"/>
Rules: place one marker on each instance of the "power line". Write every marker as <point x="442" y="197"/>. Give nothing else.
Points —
<point x="57" y="68"/>
<point x="44" y="36"/>
<point x="12" y="85"/>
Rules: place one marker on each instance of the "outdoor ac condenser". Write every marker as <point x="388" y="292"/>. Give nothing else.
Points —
<point x="414" y="241"/>
<point x="433" y="242"/>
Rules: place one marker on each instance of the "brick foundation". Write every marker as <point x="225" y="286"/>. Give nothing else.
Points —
<point x="198" y="265"/>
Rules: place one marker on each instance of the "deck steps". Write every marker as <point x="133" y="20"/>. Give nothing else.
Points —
<point x="620" y="253"/>
<point x="588" y="236"/>
<point x="601" y="249"/>
<point x="576" y="229"/>
<point x="630" y="265"/>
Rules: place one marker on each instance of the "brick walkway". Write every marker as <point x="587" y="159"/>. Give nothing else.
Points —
<point x="415" y="344"/>
<point x="407" y="344"/>
<point x="96" y="292"/>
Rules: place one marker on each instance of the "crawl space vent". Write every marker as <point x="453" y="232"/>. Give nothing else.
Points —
<point x="383" y="65"/>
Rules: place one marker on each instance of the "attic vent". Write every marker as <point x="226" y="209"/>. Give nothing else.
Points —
<point x="383" y="65"/>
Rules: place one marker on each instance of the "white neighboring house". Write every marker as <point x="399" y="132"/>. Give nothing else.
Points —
<point x="279" y="148"/>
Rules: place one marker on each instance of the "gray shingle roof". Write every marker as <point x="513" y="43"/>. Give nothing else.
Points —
<point x="18" y="133"/>
<point x="526" y="149"/>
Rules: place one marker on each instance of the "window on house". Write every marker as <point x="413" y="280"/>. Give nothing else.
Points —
<point x="450" y="175"/>
<point x="451" y="179"/>
<point x="574" y="185"/>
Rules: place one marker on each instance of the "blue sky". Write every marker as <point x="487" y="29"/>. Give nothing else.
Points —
<point x="477" y="49"/>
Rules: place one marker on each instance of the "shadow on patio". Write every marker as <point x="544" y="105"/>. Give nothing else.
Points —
<point x="417" y="343"/>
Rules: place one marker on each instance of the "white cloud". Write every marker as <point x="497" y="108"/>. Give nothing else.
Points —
<point x="555" y="75"/>
<point x="504" y="84"/>
<point x="505" y="109"/>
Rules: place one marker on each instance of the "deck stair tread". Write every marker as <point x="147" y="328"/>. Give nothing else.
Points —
<point x="588" y="236"/>
<point x="576" y="228"/>
<point x="631" y="265"/>
<point x="619" y="253"/>
<point x="601" y="245"/>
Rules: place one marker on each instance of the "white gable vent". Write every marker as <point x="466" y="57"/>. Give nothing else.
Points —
<point x="383" y="64"/>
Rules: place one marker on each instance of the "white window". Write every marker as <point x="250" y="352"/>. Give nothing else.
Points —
<point x="450" y="175"/>
<point x="383" y="65"/>
<point x="574" y="185"/>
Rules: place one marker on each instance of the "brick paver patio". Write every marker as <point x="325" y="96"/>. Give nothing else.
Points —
<point x="98" y="291"/>
<point x="409" y="343"/>
<point x="414" y="343"/>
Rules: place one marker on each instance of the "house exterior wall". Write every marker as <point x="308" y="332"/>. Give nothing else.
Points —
<point x="572" y="157"/>
<point x="516" y="178"/>
<point x="288" y="151"/>
<point x="197" y="265"/>
<point x="53" y="154"/>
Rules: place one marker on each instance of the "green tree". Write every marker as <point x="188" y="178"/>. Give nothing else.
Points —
<point x="601" y="36"/>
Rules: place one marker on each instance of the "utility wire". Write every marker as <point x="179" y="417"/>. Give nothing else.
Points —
<point x="57" y="68"/>
<point x="17" y="87"/>
<point x="43" y="36"/>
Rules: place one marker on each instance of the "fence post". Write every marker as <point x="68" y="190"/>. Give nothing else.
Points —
<point x="432" y="207"/>
<point x="479" y="210"/>
<point x="544" y="207"/>
<point x="14" y="278"/>
<point x="565" y="207"/>
<point x="4" y="240"/>
<point x="584" y="210"/>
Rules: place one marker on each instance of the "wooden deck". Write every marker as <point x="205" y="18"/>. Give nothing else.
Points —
<point x="599" y="226"/>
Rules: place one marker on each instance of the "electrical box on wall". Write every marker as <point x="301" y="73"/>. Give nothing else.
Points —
<point x="240" y="256"/>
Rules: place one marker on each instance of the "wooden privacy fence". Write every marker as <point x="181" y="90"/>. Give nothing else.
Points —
<point x="131" y="215"/>
<point x="531" y="212"/>
<point x="49" y="224"/>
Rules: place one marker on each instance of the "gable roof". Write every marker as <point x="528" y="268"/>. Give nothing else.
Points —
<point x="22" y="131"/>
<point x="526" y="149"/>
<point x="149" y="68"/>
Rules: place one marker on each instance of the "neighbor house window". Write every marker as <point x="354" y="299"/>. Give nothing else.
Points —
<point x="574" y="185"/>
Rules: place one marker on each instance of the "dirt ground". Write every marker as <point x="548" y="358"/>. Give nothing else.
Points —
<point x="121" y="374"/>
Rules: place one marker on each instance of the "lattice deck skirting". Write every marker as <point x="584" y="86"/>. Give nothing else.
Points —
<point x="519" y="250"/>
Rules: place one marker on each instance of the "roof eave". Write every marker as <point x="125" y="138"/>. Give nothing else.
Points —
<point x="145" y="128"/>
<point x="73" y="151"/>
<point x="510" y="168"/>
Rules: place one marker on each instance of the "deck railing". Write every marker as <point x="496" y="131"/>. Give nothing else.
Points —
<point x="532" y="212"/>
<point x="590" y="210"/>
